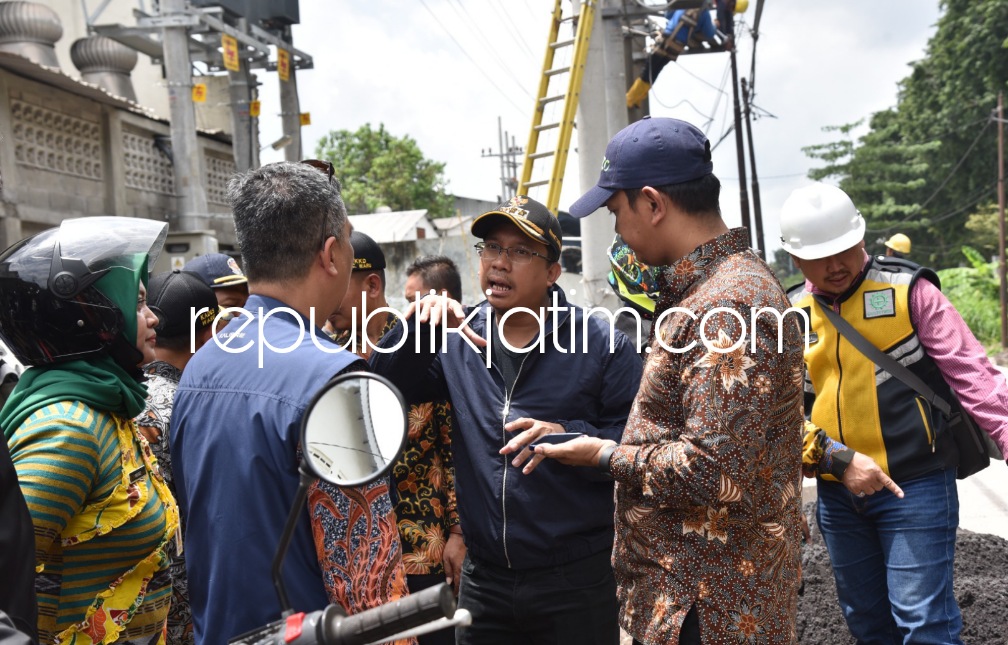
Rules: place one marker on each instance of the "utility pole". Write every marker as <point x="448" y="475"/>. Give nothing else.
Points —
<point x="244" y="139"/>
<point x="603" y="101"/>
<point x="290" y="108"/>
<point x="192" y="202"/>
<point x="1001" y="223"/>
<point x="508" y="155"/>
<point x="757" y="212"/>
<point x="740" y="151"/>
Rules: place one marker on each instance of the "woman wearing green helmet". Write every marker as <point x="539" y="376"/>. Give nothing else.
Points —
<point x="73" y="306"/>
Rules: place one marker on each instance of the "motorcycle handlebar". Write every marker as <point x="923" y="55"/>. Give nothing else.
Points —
<point x="389" y="619"/>
<point x="331" y="626"/>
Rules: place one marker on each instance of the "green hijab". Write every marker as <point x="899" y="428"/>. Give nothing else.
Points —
<point x="99" y="381"/>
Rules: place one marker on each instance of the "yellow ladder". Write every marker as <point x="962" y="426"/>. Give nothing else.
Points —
<point x="565" y="125"/>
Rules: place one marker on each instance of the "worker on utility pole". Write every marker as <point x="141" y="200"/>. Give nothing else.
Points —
<point x="685" y="28"/>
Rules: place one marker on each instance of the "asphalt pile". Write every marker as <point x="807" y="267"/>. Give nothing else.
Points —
<point x="980" y="583"/>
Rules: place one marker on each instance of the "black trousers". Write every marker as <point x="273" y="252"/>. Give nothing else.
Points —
<point x="419" y="583"/>
<point x="571" y="604"/>
<point x="690" y="632"/>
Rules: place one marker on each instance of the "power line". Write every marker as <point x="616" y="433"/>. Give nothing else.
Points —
<point x="944" y="181"/>
<point x="532" y="12"/>
<point x="512" y="29"/>
<point x="979" y="196"/>
<point x="672" y="107"/>
<point x="971" y="201"/>
<point x="466" y="16"/>
<point x="466" y="54"/>
<point x="762" y="177"/>
<point x="958" y="165"/>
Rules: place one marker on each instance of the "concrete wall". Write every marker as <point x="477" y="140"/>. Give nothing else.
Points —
<point x="64" y="155"/>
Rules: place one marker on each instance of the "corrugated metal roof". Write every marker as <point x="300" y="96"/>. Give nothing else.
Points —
<point x="393" y="226"/>
<point x="453" y="225"/>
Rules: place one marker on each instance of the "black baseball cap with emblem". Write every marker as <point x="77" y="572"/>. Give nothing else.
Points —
<point x="174" y="297"/>
<point x="367" y="255"/>
<point x="531" y="217"/>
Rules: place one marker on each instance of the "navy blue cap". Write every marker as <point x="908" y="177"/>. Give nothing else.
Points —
<point x="649" y="152"/>
<point x="218" y="270"/>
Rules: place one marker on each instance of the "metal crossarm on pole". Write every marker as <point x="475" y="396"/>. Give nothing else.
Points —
<point x="565" y="124"/>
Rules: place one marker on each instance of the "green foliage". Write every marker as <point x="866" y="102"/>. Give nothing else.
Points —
<point x="983" y="226"/>
<point x="785" y="270"/>
<point x="377" y="168"/>
<point x="974" y="292"/>
<point x="927" y="165"/>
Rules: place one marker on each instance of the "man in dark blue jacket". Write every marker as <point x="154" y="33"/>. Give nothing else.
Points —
<point x="525" y="364"/>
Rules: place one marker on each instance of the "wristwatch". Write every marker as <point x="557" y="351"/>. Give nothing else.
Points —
<point x="605" y="457"/>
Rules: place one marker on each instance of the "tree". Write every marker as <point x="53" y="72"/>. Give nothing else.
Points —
<point x="928" y="164"/>
<point x="376" y="168"/>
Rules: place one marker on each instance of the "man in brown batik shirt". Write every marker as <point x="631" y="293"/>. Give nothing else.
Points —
<point x="708" y="471"/>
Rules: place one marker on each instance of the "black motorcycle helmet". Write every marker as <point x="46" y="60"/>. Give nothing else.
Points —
<point x="51" y="310"/>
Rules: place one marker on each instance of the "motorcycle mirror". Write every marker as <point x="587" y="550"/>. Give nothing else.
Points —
<point x="354" y="429"/>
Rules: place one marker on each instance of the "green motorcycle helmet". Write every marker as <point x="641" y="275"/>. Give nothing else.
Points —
<point x="69" y="292"/>
<point x="633" y="281"/>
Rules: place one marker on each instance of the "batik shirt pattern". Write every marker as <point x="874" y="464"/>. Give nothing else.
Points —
<point x="154" y="423"/>
<point x="708" y="473"/>
<point x="424" y="478"/>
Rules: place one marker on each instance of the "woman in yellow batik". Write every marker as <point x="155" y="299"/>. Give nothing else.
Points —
<point x="73" y="305"/>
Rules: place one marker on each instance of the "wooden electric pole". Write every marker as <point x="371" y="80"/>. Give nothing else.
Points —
<point x="1001" y="224"/>
<point x="757" y="211"/>
<point x="740" y="152"/>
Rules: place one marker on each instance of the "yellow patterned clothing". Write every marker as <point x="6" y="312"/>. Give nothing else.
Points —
<point x="102" y="517"/>
<point x="708" y="474"/>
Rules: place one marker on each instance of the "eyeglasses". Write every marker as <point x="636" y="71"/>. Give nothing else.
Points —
<point x="330" y="171"/>
<point x="490" y="251"/>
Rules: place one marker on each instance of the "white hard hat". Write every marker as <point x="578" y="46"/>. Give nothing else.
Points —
<point x="818" y="221"/>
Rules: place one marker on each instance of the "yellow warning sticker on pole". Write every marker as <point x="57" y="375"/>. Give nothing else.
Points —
<point x="306" y="118"/>
<point x="283" y="64"/>
<point x="229" y="46"/>
<point x="199" y="93"/>
<point x="254" y="108"/>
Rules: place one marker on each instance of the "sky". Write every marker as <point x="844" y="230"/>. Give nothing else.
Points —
<point x="444" y="72"/>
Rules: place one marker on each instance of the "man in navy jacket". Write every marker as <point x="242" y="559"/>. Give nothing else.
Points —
<point x="525" y="364"/>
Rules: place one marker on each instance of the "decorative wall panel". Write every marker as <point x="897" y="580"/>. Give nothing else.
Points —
<point x="54" y="141"/>
<point x="219" y="172"/>
<point x="146" y="167"/>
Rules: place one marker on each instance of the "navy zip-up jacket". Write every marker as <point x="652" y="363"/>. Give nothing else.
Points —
<point x="557" y="513"/>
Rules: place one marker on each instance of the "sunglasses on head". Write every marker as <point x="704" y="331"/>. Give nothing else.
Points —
<point x="323" y="166"/>
<point x="330" y="171"/>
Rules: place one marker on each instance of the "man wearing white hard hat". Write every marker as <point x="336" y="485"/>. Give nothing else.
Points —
<point x="888" y="507"/>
